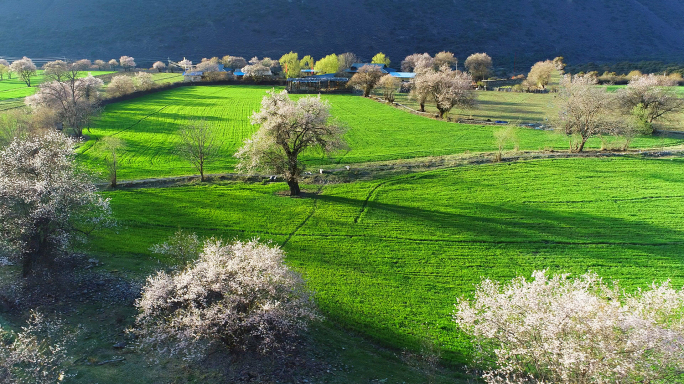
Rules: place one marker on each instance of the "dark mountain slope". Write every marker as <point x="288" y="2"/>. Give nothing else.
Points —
<point x="524" y="30"/>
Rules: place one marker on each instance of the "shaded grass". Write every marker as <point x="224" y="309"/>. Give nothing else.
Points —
<point x="389" y="256"/>
<point x="377" y="132"/>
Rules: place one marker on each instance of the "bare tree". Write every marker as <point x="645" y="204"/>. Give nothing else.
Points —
<point x="479" y="65"/>
<point x="389" y="85"/>
<point x="346" y="60"/>
<point x="46" y="199"/>
<point x="112" y="144"/>
<point x="198" y="144"/>
<point x="366" y="78"/>
<point x="649" y="98"/>
<point x="25" y="69"/>
<point x="540" y="73"/>
<point x="287" y="129"/>
<point x="585" y="110"/>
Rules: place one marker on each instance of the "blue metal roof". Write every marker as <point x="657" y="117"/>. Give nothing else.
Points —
<point x="403" y="75"/>
<point x="238" y="73"/>
<point x="198" y="73"/>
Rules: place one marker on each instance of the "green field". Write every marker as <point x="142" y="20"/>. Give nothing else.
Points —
<point x="16" y="88"/>
<point x="386" y="256"/>
<point x="377" y="132"/>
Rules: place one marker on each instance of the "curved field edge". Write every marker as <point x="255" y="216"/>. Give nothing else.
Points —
<point x="390" y="257"/>
<point x="376" y="132"/>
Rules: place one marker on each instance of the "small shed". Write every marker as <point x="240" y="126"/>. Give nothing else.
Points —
<point x="191" y="77"/>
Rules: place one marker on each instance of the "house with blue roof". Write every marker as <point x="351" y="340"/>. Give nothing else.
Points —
<point x="192" y="75"/>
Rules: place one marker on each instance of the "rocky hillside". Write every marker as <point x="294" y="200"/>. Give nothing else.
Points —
<point x="514" y="32"/>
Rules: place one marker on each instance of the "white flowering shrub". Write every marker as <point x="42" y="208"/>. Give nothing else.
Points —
<point x="46" y="199"/>
<point x="181" y="248"/>
<point x="240" y="295"/>
<point x="120" y="85"/>
<point x="143" y="81"/>
<point x="574" y="330"/>
<point x="36" y="354"/>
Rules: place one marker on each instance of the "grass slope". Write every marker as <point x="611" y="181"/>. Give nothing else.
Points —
<point x="377" y="132"/>
<point x="16" y="88"/>
<point x="391" y="256"/>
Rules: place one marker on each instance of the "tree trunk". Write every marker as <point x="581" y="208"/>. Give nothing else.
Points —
<point x="294" y="187"/>
<point x="36" y="248"/>
<point x="422" y="107"/>
<point x="581" y="146"/>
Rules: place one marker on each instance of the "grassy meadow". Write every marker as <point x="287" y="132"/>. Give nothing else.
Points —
<point x="376" y="132"/>
<point x="389" y="257"/>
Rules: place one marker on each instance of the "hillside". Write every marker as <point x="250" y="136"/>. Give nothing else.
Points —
<point x="517" y="30"/>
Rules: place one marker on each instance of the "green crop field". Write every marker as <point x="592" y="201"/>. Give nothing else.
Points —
<point x="16" y="88"/>
<point x="149" y="125"/>
<point x="387" y="257"/>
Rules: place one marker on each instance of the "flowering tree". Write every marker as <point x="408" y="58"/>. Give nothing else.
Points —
<point x="445" y="59"/>
<point x="185" y="64"/>
<point x="127" y="63"/>
<point x="585" y="111"/>
<point x="120" y="85"/>
<point x="540" y="73"/>
<point x="288" y="128"/>
<point x="450" y="89"/>
<point x="83" y="64"/>
<point x="239" y="295"/>
<point x="479" y="65"/>
<point x="649" y="98"/>
<point x="234" y="62"/>
<point x="366" y="78"/>
<point x="389" y="85"/>
<point x="46" y="199"/>
<point x="36" y="354"/>
<point x="198" y="144"/>
<point x="411" y="62"/>
<point x="143" y="81"/>
<point x="563" y="330"/>
<point x="100" y="64"/>
<point x="24" y="68"/>
<point x="113" y="63"/>
<point x="73" y="98"/>
<point x="159" y="66"/>
<point x="257" y="71"/>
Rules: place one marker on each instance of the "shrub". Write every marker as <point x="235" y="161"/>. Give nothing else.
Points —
<point x="564" y="330"/>
<point x="143" y="81"/>
<point x="35" y="355"/>
<point x="241" y="296"/>
<point x="120" y="86"/>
